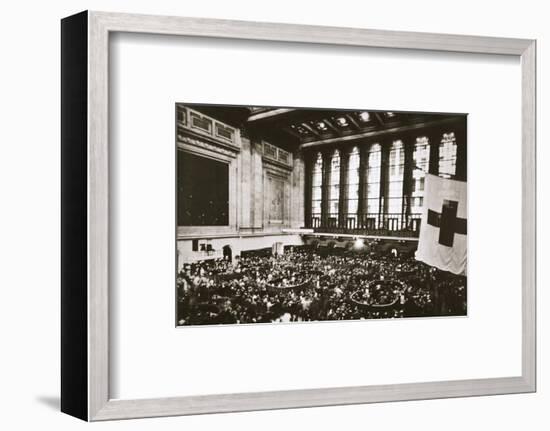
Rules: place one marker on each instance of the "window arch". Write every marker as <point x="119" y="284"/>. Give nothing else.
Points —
<point x="421" y="163"/>
<point x="316" y="190"/>
<point x="395" y="178"/>
<point x="334" y="188"/>
<point x="373" y="176"/>
<point x="447" y="155"/>
<point x="352" y="204"/>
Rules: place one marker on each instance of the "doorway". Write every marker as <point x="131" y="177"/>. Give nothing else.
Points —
<point x="227" y="253"/>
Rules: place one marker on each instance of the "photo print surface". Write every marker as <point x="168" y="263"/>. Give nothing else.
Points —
<point x="305" y="214"/>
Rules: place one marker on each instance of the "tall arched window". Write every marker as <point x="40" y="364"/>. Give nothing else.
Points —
<point x="421" y="163"/>
<point x="374" y="167"/>
<point x="395" y="179"/>
<point x="352" y="204"/>
<point x="334" y="188"/>
<point x="316" y="190"/>
<point x="447" y="155"/>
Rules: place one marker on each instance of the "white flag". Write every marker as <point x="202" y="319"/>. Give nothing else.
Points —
<point x="443" y="241"/>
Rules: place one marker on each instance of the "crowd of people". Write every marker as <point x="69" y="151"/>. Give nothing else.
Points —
<point x="305" y="284"/>
<point x="381" y="293"/>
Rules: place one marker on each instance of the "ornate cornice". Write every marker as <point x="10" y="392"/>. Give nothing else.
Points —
<point x="201" y="142"/>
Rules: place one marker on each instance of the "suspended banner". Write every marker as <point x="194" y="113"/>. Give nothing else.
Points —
<point x="443" y="240"/>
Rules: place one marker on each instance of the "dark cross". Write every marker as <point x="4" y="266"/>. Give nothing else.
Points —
<point x="447" y="222"/>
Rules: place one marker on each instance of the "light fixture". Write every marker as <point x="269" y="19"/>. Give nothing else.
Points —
<point x="364" y="116"/>
<point x="358" y="244"/>
<point x="390" y="114"/>
<point x="321" y="125"/>
<point x="342" y="122"/>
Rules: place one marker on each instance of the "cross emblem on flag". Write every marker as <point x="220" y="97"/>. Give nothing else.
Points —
<point x="447" y="222"/>
<point x="442" y="242"/>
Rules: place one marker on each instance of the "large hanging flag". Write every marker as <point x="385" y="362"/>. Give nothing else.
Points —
<point x="443" y="240"/>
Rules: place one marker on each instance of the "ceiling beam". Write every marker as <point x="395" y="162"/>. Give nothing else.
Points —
<point x="379" y="118"/>
<point x="310" y="129"/>
<point x="332" y="126"/>
<point x="352" y="121"/>
<point x="292" y="132"/>
<point x="374" y="133"/>
<point x="268" y="114"/>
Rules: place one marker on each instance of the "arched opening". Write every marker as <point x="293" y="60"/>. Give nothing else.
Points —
<point x="227" y="252"/>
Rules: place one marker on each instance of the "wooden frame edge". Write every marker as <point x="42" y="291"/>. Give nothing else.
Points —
<point x="529" y="213"/>
<point x="98" y="213"/>
<point x="306" y="398"/>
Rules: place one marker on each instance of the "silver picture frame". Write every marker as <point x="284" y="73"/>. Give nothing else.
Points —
<point x="85" y="215"/>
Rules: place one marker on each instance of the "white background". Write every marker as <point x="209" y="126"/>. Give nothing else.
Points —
<point x="30" y="221"/>
<point x="151" y="73"/>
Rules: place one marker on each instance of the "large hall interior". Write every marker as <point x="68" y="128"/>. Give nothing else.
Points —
<point x="293" y="214"/>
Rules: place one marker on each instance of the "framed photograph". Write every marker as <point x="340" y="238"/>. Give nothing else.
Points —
<point x="265" y="216"/>
<point x="331" y="232"/>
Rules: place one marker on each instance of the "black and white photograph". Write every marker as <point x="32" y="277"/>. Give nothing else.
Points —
<point x="315" y="214"/>
<point x="277" y="215"/>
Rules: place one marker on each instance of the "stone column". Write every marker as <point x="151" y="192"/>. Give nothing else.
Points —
<point x="461" y="152"/>
<point x="257" y="186"/>
<point x="309" y="160"/>
<point x="343" y="196"/>
<point x="325" y="189"/>
<point x="408" y="143"/>
<point x="246" y="191"/>
<point x="384" y="181"/>
<point x="297" y="195"/>
<point x="363" y="186"/>
<point x="434" y="138"/>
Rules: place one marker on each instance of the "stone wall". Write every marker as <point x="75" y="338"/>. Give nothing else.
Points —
<point x="266" y="191"/>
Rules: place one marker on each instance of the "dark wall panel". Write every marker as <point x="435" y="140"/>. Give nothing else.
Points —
<point x="203" y="191"/>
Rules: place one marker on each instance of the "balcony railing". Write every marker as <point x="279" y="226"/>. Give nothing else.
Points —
<point x="387" y="224"/>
